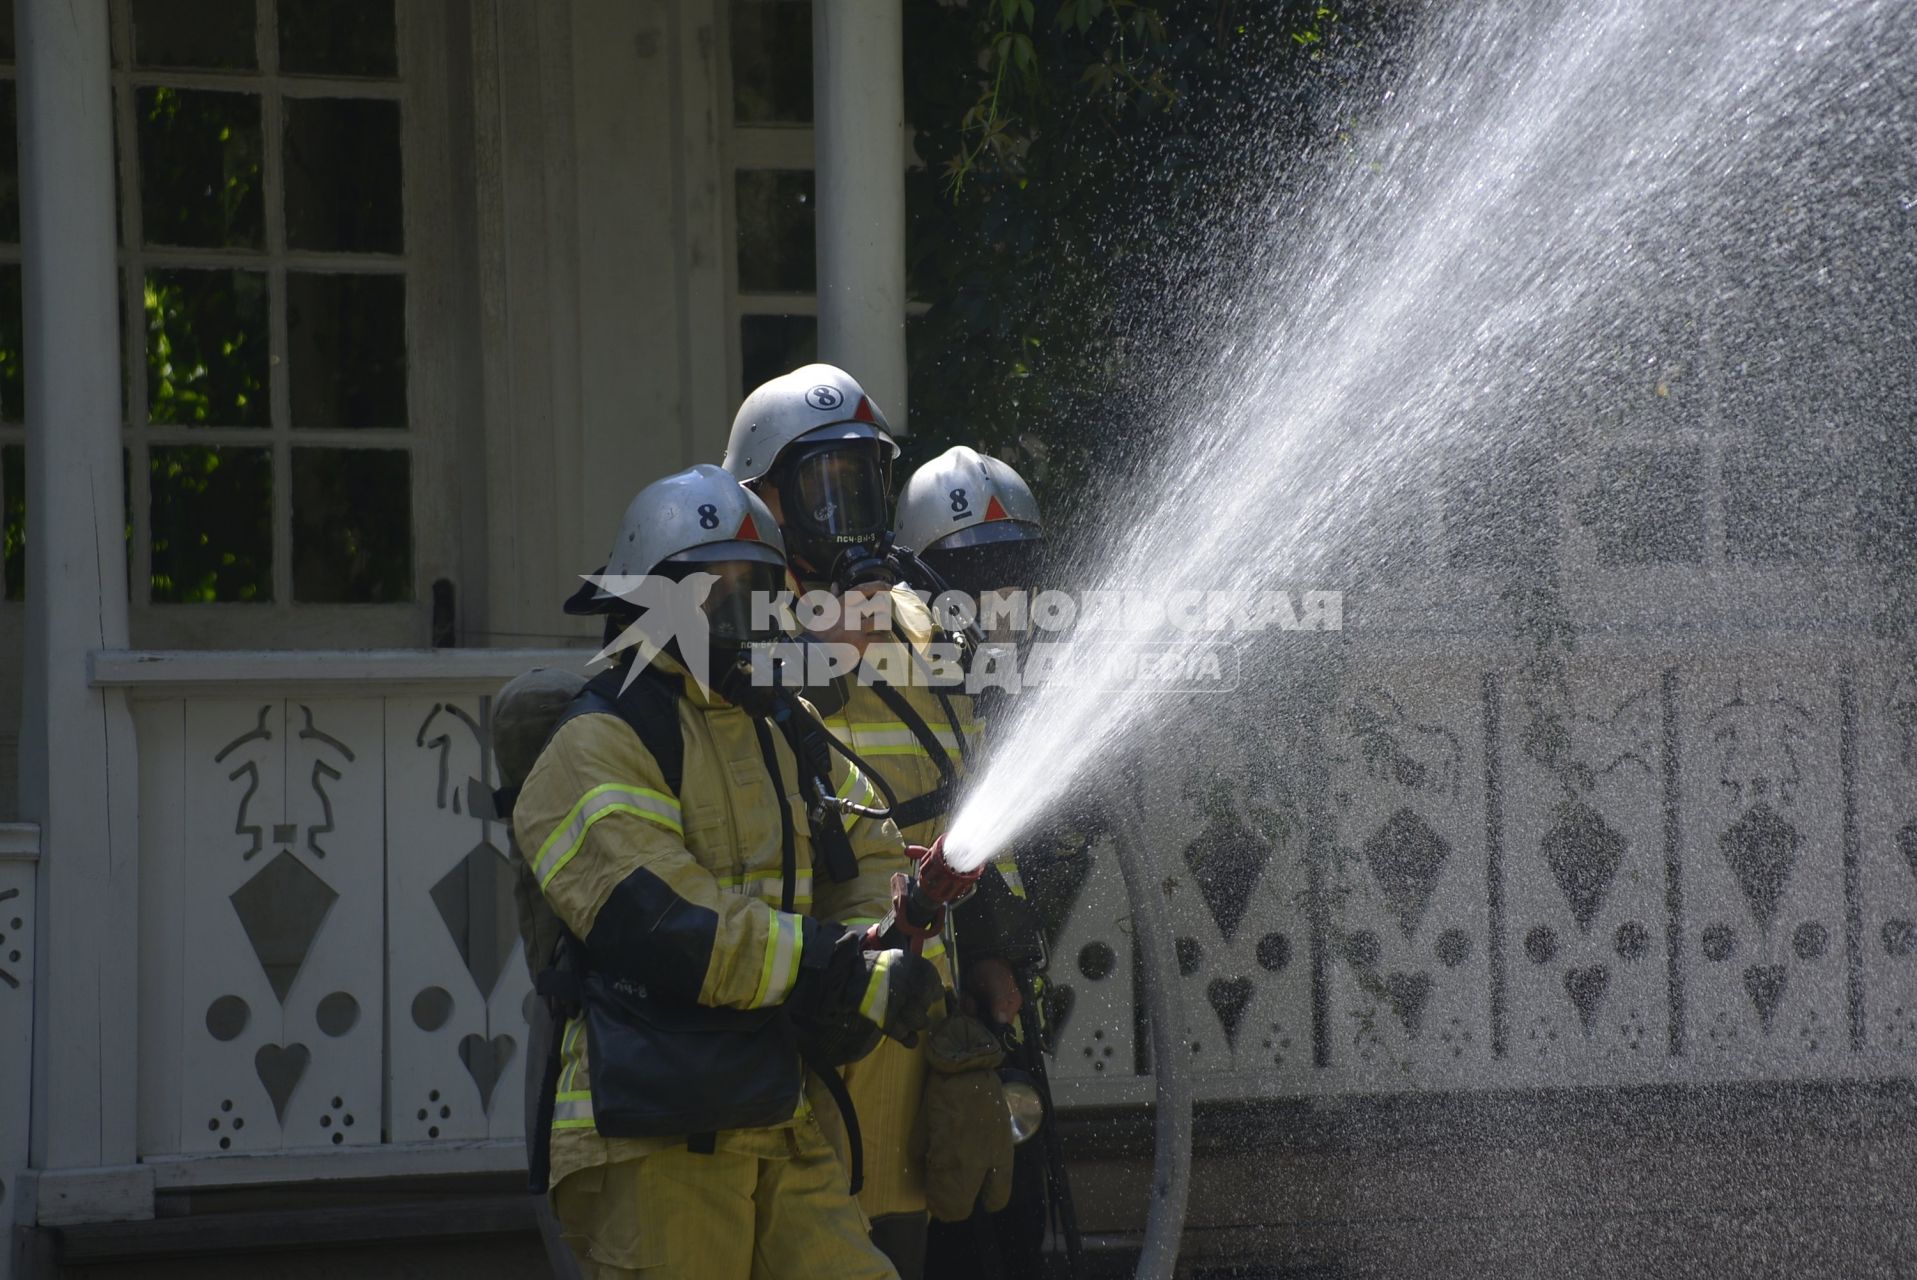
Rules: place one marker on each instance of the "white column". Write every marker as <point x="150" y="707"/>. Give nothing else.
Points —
<point x="77" y="775"/>
<point x="858" y="96"/>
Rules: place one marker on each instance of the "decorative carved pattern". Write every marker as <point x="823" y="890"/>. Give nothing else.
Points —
<point x="10" y="955"/>
<point x="282" y="908"/>
<point x="466" y="981"/>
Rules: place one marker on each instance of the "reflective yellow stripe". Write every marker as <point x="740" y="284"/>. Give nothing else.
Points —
<point x="608" y="798"/>
<point x="769" y="886"/>
<point x="894" y="737"/>
<point x="1009" y="870"/>
<point x="569" y="1052"/>
<point x="867" y="795"/>
<point x="934" y="947"/>
<point x="878" y="989"/>
<point x="572" y="1109"/>
<point x="780" y="967"/>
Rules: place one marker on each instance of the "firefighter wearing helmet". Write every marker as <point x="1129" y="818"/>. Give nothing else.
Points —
<point x="814" y="445"/>
<point x="705" y="947"/>
<point x="973" y="521"/>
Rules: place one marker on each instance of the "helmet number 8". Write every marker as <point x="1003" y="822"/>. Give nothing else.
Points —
<point x="961" y="505"/>
<point x="708" y="516"/>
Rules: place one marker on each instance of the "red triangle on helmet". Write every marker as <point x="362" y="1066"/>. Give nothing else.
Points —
<point x="748" y="531"/>
<point x="865" y="412"/>
<point x="994" y="511"/>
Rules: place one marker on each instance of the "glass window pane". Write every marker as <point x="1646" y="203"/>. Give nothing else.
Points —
<point x="325" y="37"/>
<point x="775" y="231"/>
<point x="772" y="345"/>
<point x="194" y="33"/>
<point x="772" y="61"/>
<point x="13" y="394"/>
<point x="212" y="522"/>
<point x="13" y="518"/>
<point x="1648" y="507"/>
<point x="352" y="526"/>
<point x="346" y="343"/>
<point x="206" y="353"/>
<point x="6" y="30"/>
<point x="9" y="165"/>
<point x="1786" y="504"/>
<point x="200" y="168"/>
<point x="342" y="175"/>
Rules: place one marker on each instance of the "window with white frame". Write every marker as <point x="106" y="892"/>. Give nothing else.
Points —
<point x="273" y="438"/>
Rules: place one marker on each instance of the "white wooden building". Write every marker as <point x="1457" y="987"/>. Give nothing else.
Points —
<point x="342" y="334"/>
<point x="431" y="289"/>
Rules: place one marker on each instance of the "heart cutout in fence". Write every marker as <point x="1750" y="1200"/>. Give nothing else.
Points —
<point x="280" y="1068"/>
<point x="1409" y="993"/>
<point x="1228" y="998"/>
<point x="1059" y="1001"/>
<point x="1587" y="988"/>
<point x="486" y="1061"/>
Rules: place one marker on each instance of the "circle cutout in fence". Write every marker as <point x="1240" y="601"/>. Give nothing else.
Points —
<point x="431" y="1008"/>
<point x="337" y="1013"/>
<point x="226" y="1018"/>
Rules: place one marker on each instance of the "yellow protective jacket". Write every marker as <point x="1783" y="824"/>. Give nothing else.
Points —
<point x="888" y="1087"/>
<point x="884" y="740"/>
<point x="693" y="882"/>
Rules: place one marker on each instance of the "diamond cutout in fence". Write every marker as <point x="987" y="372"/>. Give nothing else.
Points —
<point x="1226" y="860"/>
<point x="1761" y="849"/>
<point x="1407" y="857"/>
<point x="1583" y="853"/>
<point x="475" y="899"/>
<point x="281" y="908"/>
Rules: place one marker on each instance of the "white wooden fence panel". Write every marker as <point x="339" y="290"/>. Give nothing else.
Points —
<point x="456" y="1023"/>
<point x="1092" y="971"/>
<point x="1764" y="900"/>
<point x="281" y="899"/>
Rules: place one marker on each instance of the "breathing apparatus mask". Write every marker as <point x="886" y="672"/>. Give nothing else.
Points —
<point x="836" y="514"/>
<point x="736" y="618"/>
<point x="982" y="561"/>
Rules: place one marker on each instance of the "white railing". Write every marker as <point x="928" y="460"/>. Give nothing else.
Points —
<point x="1727" y="891"/>
<point x="1718" y="883"/>
<point x="330" y="959"/>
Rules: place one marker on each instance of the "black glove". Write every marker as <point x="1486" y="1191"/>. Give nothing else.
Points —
<point x="842" y="1005"/>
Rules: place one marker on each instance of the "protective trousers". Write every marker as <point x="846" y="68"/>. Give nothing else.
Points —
<point x="679" y="1215"/>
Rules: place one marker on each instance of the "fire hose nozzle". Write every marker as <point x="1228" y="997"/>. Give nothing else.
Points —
<point x="921" y="899"/>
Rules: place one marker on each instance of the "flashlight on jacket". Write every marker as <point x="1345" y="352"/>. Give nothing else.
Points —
<point x="921" y="899"/>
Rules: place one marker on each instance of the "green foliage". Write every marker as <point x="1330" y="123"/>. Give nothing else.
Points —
<point x="1069" y="147"/>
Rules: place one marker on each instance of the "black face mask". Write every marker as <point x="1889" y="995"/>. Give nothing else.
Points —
<point x="991" y="566"/>
<point x="729" y="605"/>
<point x="834" y="499"/>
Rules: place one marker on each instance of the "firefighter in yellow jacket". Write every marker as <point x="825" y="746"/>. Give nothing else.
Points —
<point x="683" y="843"/>
<point x="816" y="448"/>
